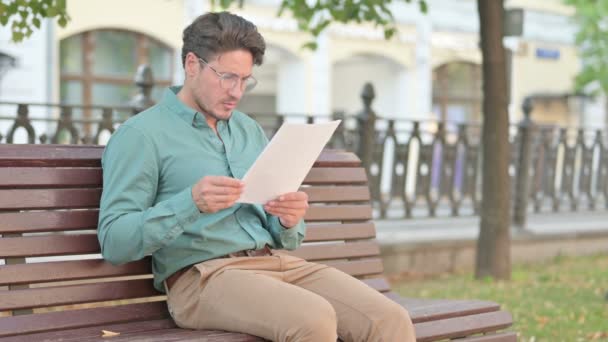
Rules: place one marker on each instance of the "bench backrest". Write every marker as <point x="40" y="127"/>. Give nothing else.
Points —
<point x="49" y="200"/>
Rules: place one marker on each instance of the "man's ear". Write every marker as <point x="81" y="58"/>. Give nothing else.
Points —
<point x="191" y="65"/>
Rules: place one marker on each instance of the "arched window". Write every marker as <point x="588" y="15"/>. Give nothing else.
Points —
<point x="457" y="92"/>
<point x="97" y="67"/>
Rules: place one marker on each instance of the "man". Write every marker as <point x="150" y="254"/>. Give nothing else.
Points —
<point x="171" y="182"/>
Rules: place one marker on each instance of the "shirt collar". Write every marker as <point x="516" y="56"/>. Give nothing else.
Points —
<point x="189" y="115"/>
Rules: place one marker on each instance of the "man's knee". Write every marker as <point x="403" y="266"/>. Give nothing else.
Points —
<point x="394" y="320"/>
<point x="389" y="321"/>
<point x="397" y="314"/>
<point x="316" y="322"/>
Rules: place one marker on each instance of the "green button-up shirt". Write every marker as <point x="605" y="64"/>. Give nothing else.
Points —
<point x="149" y="167"/>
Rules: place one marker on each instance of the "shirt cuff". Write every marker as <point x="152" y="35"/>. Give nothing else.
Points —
<point x="184" y="208"/>
<point x="290" y="238"/>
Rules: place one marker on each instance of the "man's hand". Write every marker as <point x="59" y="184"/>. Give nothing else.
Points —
<point x="289" y="208"/>
<point x="214" y="193"/>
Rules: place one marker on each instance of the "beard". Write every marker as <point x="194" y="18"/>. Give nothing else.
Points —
<point x="209" y="112"/>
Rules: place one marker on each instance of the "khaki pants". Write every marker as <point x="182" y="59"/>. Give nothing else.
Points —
<point x="284" y="298"/>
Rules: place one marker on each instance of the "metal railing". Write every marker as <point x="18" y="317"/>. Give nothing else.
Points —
<point x="416" y="167"/>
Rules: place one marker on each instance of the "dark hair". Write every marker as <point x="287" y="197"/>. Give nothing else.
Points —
<point x="213" y="33"/>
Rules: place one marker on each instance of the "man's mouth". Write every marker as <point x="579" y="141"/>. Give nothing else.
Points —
<point x="229" y="104"/>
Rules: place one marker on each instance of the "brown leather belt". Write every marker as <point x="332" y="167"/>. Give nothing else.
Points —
<point x="246" y="253"/>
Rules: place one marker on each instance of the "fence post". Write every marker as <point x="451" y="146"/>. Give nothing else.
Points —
<point x="522" y="179"/>
<point x="22" y="120"/>
<point x="366" y="122"/>
<point x="144" y="80"/>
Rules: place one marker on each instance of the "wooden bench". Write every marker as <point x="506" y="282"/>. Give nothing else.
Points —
<point x="49" y="198"/>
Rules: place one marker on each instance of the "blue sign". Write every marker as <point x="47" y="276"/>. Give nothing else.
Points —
<point x="547" y="53"/>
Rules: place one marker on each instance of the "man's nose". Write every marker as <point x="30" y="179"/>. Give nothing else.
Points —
<point x="238" y="90"/>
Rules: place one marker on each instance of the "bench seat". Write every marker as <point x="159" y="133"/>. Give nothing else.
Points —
<point x="55" y="287"/>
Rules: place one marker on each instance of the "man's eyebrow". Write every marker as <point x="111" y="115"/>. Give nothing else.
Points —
<point x="234" y="73"/>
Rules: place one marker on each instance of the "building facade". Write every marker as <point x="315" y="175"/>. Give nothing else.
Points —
<point x="430" y="70"/>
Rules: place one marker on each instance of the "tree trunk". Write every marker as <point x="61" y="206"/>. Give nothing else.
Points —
<point x="493" y="245"/>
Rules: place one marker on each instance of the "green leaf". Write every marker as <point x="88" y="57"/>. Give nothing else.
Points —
<point x="423" y="6"/>
<point x="36" y="22"/>
<point x="590" y="17"/>
<point x="282" y="8"/>
<point x="224" y="4"/>
<point x="12" y="8"/>
<point x="17" y="36"/>
<point x="310" y="46"/>
<point x="51" y="11"/>
<point x="62" y="21"/>
<point x="319" y="28"/>
<point x="389" y="33"/>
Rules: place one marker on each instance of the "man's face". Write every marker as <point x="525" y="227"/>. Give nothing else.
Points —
<point x="215" y="97"/>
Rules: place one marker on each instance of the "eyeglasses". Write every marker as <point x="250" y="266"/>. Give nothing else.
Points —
<point x="229" y="80"/>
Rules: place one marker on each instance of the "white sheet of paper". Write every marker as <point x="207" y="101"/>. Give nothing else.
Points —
<point x="286" y="160"/>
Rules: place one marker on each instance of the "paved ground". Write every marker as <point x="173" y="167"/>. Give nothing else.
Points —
<point x="399" y="231"/>
<point x="430" y="246"/>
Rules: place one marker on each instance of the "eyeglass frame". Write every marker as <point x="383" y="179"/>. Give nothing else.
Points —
<point x="224" y="76"/>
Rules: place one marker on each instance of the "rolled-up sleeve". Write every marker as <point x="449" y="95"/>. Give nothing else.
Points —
<point x="289" y="238"/>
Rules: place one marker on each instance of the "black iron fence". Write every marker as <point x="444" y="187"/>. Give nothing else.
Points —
<point x="416" y="168"/>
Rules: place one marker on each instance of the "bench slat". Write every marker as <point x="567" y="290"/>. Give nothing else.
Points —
<point x="48" y="221"/>
<point x="332" y="175"/>
<point x="22" y="199"/>
<point x="337" y="193"/>
<point x="500" y="337"/>
<point x="463" y="326"/>
<point x="180" y="335"/>
<point x="81" y="334"/>
<point x="379" y="284"/>
<point x="423" y="310"/>
<point x="98" y="268"/>
<point x="35" y="246"/>
<point x="75" y="294"/>
<point x="82" y="318"/>
<point x="337" y="158"/>
<point x="339" y="231"/>
<point x="339" y="212"/>
<point x="30" y="177"/>
<point x="89" y="197"/>
<point x="157" y="330"/>
<point x="51" y="155"/>
<point x="70" y="244"/>
<point x="358" y="268"/>
<point x="337" y="250"/>
<point x="70" y="270"/>
<point x="24" y="155"/>
<point x="444" y="309"/>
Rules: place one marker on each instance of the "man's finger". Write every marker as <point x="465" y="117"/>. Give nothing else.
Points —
<point x="221" y="198"/>
<point x="223" y="190"/>
<point x="288" y="205"/>
<point x="226" y="181"/>
<point x="293" y="196"/>
<point x="284" y="211"/>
